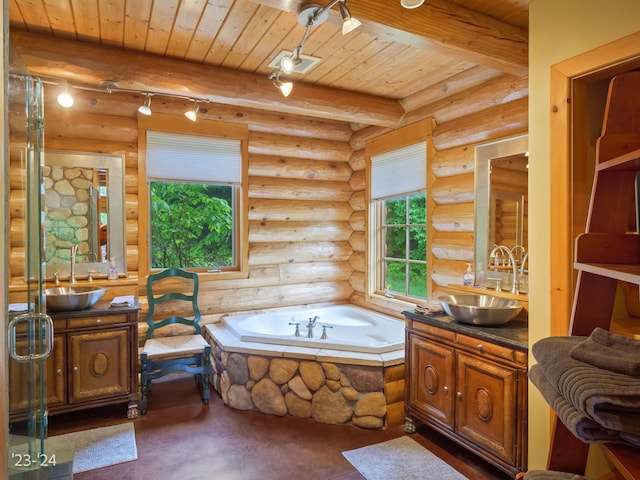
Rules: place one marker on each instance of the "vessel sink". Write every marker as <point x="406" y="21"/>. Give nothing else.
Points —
<point x="480" y="309"/>
<point x="72" y="298"/>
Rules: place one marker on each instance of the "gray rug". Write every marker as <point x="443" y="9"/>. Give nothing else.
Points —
<point x="98" y="447"/>
<point x="400" y="459"/>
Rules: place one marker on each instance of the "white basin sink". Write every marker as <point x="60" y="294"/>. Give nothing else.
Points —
<point x="480" y="309"/>
<point x="63" y="299"/>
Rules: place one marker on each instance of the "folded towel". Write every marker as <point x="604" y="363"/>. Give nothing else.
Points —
<point x="612" y="399"/>
<point x="432" y="307"/>
<point x="552" y="475"/>
<point x="123" y="301"/>
<point x="604" y="349"/>
<point x="581" y="425"/>
<point x="18" y="307"/>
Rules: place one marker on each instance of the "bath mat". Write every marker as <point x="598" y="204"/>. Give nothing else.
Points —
<point x="98" y="447"/>
<point x="401" y="459"/>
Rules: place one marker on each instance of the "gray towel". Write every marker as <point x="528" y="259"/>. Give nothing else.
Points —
<point x="551" y="475"/>
<point x="582" y="427"/>
<point x="610" y="351"/>
<point x="611" y="399"/>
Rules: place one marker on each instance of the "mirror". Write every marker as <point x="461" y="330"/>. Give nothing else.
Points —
<point x="84" y="205"/>
<point x="501" y="195"/>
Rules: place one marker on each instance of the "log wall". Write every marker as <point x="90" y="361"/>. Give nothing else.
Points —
<point x="307" y="207"/>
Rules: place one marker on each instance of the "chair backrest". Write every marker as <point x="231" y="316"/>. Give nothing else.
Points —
<point x="156" y="280"/>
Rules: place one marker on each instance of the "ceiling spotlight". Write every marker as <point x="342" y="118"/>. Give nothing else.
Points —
<point x="349" y="23"/>
<point x="285" y="87"/>
<point x="64" y="98"/>
<point x="146" y="108"/>
<point x="193" y="113"/>
<point x="289" y="63"/>
<point x="411" y="3"/>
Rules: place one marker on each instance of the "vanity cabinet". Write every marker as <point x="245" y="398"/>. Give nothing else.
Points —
<point x="94" y="363"/>
<point x="469" y="388"/>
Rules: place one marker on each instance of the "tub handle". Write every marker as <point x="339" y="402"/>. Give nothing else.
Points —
<point x="324" y="331"/>
<point x="297" y="333"/>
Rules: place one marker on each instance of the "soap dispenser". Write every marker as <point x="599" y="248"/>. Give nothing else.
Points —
<point x="113" y="270"/>
<point x="468" y="278"/>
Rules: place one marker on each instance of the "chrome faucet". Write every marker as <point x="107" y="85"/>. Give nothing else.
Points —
<point x="72" y="275"/>
<point x="524" y="260"/>
<point x="310" y="325"/>
<point x="502" y="248"/>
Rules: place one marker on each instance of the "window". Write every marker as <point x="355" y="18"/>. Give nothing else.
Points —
<point x="398" y="219"/>
<point x="196" y="205"/>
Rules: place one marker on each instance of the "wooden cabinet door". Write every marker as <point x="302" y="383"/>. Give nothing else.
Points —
<point x="486" y="410"/>
<point x="99" y="363"/>
<point x="431" y="382"/>
<point x="54" y="377"/>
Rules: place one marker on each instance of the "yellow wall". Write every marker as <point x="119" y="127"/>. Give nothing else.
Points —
<point x="558" y="30"/>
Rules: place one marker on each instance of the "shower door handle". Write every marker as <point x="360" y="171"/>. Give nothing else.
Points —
<point x="37" y="350"/>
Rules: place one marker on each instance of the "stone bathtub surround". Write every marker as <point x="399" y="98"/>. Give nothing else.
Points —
<point x="334" y="387"/>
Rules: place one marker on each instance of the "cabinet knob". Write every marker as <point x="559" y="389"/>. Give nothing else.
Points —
<point x="59" y="371"/>
<point x="480" y="348"/>
<point x="98" y="321"/>
<point x="459" y="395"/>
<point x="446" y="389"/>
<point x="75" y="368"/>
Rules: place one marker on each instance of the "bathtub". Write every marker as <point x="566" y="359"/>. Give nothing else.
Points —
<point x="349" y="328"/>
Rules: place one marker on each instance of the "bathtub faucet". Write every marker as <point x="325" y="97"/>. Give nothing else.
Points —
<point x="310" y="325"/>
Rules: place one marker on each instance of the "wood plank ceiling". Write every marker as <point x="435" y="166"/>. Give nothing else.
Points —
<point x="413" y="57"/>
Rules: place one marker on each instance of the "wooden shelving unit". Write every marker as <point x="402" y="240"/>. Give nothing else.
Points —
<point x="607" y="253"/>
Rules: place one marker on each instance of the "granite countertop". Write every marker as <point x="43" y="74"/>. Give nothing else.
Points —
<point x="514" y="334"/>
<point x="100" y="308"/>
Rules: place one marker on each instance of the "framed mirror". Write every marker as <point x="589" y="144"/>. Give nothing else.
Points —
<point x="83" y="206"/>
<point x="501" y="195"/>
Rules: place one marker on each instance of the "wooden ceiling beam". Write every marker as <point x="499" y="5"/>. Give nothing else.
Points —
<point x="438" y="26"/>
<point x="88" y="64"/>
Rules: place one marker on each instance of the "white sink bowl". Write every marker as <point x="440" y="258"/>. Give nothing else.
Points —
<point x="480" y="309"/>
<point x="72" y="298"/>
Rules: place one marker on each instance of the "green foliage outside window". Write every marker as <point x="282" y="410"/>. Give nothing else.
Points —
<point x="405" y="238"/>
<point x="191" y="225"/>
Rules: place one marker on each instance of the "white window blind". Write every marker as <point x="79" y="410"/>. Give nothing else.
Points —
<point x="173" y="156"/>
<point x="399" y="172"/>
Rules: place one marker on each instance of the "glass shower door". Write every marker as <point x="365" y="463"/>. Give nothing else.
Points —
<point x="29" y="329"/>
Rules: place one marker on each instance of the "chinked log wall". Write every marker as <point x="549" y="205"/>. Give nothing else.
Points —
<point x="306" y="196"/>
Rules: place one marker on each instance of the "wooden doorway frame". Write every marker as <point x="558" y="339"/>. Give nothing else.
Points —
<point x="570" y="184"/>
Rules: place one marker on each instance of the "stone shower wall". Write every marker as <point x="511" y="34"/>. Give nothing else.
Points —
<point x="68" y="200"/>
<point x="326" y="392"/>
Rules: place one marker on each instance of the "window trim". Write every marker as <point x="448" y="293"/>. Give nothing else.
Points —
<point x="411" y="134"/>
<point x="203" y="127"/>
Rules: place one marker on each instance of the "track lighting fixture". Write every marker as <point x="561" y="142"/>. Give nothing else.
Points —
<point x="348" y="22"/>
<point x="64" y="98"/>
<point x="193" y="113"/>
<point x="411" y="3"/>
<point x="285" y="87"/>
<point x="310" y="15"/>
<point x="146" y="108"/>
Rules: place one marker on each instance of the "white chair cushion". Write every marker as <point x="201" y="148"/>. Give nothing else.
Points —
<point x="179" y="345"/>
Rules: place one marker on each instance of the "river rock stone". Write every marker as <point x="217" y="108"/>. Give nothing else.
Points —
<point x="296" y="384"/>
<point x="239" y="397"/>
<point x="258" y="367"/>
<point x="282" y="370"/>
<point x="268" y="398"/>
<point x="350" y="394"/>
<point x="297" y="406"/>
<point x="312" y="374"/>
<point x="333" y="385"/>
<point x="370" y="422"/>
<point x="224" y="386"/>
<point x="364" y="379"/>
<point x="331" y="371"/>
<point x="330" y="407"/>
<point x="371" y="404"/>
<point x="238" y="369"/>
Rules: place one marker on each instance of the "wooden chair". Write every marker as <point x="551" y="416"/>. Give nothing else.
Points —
<point x="176" y="351"/>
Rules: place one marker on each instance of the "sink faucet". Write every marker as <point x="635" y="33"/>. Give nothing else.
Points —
<point x="72" y="275"/>
<point x="506" y="251"/>
<point x="310" y="325"/>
